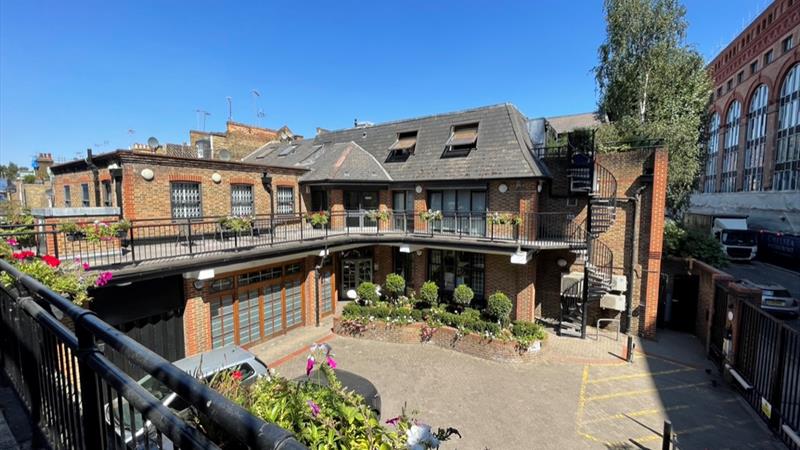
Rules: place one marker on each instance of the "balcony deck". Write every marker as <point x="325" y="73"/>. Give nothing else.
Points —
<point x="157" y="245"/>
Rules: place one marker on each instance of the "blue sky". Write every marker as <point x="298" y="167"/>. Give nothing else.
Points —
<point x="81" y="74"/>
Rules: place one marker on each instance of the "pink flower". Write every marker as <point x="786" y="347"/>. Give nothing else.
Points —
<point x="309" y="365"/>
<point x="103" y="279"/>
<point x="12" y="242"/>
<point x="85" y="266"/>
<point x="23" y="255"/>
<point x="51" y="261"/>
<point x="331" y="363"/>
<point x="314" y="407"/>
<point x="237" y="375"/>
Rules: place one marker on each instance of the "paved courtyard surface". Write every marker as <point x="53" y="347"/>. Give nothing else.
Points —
<point x="578" y="394"/>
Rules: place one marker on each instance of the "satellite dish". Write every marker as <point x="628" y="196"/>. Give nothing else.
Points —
<point x="152" y="143"/>
<point x="225" y="154"/>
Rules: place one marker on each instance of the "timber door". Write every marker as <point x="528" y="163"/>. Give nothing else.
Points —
<point x="273" y="310"/>
<point x="293" y="295"/>
<point x="326" y="292"/>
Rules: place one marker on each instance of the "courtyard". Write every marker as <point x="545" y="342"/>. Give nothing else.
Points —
<point x="577" y="394"/>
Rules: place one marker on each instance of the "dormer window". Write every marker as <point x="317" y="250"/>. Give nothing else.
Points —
<point x="403" y="147"/>
<point x="463" y="139"/>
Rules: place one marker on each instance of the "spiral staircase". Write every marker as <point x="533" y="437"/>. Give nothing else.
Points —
<point x="588" y="177"/>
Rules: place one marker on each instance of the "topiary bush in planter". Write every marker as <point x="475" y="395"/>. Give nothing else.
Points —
<point x="429" y="293"/>
<point x="499" y="307"/>
<point x="395" y="285"/>
<point x="367" y="293"/>
<point x="462" y="296"/>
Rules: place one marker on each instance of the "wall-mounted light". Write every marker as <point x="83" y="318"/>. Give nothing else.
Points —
<point x="561" y="262"/>
<point x="148" y="174"/>
<point x="539" y="187"/>
<point x="418" y="189"/>
<point x="198" y="284"/>
<point x="419" y="252"/>
<point x="216" y="178"/>
<point x="266" y="180"/>
<point x="503" y="188"/>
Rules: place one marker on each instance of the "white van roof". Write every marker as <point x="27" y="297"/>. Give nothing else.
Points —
<point x="731" y="224"/>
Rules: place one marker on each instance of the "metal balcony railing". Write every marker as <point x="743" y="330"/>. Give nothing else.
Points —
<point x="170" y="239"/>
<point x="74" y="393"/>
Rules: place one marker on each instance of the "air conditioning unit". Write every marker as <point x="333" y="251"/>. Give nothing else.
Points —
<point x="619" y="283"/>
<point x="569" y="279"/>
<point x="613" y="301"/>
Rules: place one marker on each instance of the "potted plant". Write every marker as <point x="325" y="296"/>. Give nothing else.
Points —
<point x="72" y="230"/>
<point x="235" y="224"/>
<point x="378" y="215"/>
<point x="121" y="228"/>
<point x="99" y="231"/>
<point x="319" y="219"/>
<point x="429" y="215"/>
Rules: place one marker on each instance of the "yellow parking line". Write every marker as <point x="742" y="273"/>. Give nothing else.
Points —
<point x="639" y="375"/>
<point x="657" y="437"/>
<point x="642" y="391"/>
<point x="643" y="412"/>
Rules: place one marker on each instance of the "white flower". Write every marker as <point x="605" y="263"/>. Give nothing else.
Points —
<point x="419" y="437"/>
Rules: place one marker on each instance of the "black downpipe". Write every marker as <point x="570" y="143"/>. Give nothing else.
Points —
<point x="317" y="280"/>
<point x="637" y="198"/>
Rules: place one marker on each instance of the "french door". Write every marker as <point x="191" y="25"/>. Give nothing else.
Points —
<point x="403" y="207"/>
<point x="355" y="272"/>
<point x="326" y="292"/>
<point x="356" y="204"/>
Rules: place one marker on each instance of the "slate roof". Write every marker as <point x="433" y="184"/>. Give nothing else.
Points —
<point x="503" y="150"/>
<point x="565" y="124"/>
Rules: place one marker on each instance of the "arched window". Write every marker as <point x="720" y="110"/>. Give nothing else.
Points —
<point x="787" y="148"/>
<point x="713" y="152"/>
<point x="756" y="139"/>
<point x="731" y="150"/>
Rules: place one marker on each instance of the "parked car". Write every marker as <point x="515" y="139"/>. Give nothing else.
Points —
<point x="206" y="365"/>
<point x="775" y="299"/>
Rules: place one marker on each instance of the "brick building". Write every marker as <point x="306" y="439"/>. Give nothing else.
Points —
<point x="503" y="217"/>
<point x="752" y="154"/>
<point x="238" y="139"/>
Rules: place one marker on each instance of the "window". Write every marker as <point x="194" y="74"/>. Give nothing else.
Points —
<point x="463" y="139"/>
<point x="249" y="322"/>
<point x="713" y="152"/>
<point x="755" y="140"/>
<point x="85" y="195"/>
<point x="222" y="328"/>
<point x="402" y="263"/>
<point x="67" y="197"/>
<point x="285" y="200"/>
<point x="241" y="199"/>
<point x="449" y="269"/>
<point x="186" y="200"/>
<point x="787" y="44"/>
<point x="719" y="92"/>
<point x="463" y="210"/>
<point x="787" y="159"/>
<point x="403" y="208"/>
<point x="767" y="58"/>
<point x="730" y="151"/>
<point x="739" y="77"/>
<point x="107" y="199"/>
<point x="730" y="84"/>
<point x="753" y="67"/>
<point x="403" y="147"/>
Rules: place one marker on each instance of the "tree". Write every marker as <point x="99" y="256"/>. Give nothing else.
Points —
<point x="9" y="172"/>
<point x="654" y="85"/>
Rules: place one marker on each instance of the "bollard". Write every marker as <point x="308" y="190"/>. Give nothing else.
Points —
<point x="666" y="440"/>
<point x="631" y="346"/>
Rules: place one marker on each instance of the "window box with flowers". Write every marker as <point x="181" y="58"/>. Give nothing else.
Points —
<point x="319" y="219"/>
<point x="501" y="222"/>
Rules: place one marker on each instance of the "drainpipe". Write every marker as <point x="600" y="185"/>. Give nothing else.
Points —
<point x="95" y="176"/>
<point x="316" y="281"/>
<point x="631" y="275"/>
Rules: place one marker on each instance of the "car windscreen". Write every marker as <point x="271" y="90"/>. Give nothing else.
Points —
<point x="738" y="237"/>
<point x="776" y="293"/>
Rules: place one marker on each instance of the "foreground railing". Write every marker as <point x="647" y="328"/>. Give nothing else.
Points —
<point x="80" y="400"/>
<point x="164" y="239"/>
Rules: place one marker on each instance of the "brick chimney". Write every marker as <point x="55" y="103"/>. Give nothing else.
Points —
<point x="43" y="161"/>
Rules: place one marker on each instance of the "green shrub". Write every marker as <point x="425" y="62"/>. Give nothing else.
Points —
<point x="381" y="312"/>
<point x="499" y="307"/>
<point x="395" y="285"/>
<point x="693" y="244"/>
<point x="367" y="293"/>
<point x="466" y="322"/>
<point x="463" y="295"/>
<point x="527" y="332"/>
<point x="429" y="293"/>
<point x="471" y="314"/>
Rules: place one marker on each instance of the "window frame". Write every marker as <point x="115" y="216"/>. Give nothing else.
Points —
<point x="401" y="155"/>
<point x="174" y="205"/>
<point x="457" y="263"/>
<point x="67" y="196"/>
<point x="460" y="151"/>
<point x="787" y="44"/>
<point x="86" y="197"/>
<point x="238" y="203"/>
<point x="107" y="193"/>
<point x="278" y="200"/>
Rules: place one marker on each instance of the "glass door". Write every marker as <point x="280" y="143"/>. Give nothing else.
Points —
<point x="356" y="203"/>
<point x="403" y="207"/>
<point x="355" y="272"/>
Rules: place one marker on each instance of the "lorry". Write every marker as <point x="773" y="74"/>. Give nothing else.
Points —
<point x="738" y="242"/>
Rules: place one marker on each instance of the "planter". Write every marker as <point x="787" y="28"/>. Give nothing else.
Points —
<point x="76" y="236"/>
<point x="444" y="337"/>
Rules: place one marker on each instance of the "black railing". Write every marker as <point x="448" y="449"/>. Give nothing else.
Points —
<point x="165" y="239"/>
<point x="80" y="400"/>
<point x="768" y="358"/>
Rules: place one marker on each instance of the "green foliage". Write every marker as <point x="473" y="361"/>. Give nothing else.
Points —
<point x="29" y="179"/>
<point x="9" y="172"/>
<point x="235" y="223"/>
<point x="498" y="306"/>
<point x="427" y="216"/>
<point x="395" y="285"/>
<point x="466" y="323"/>
<point x="382" y="312"/>
<point x="319" y="218"/>
<point x="693" y="244"/>
<point x="429" y="293"/>
<point x="22" y="222"/>
<point x="367" y="293"/>
<point x="505" y="219"/>
<point x="653" y="85"/>
<point x="378" y="215"/>
<point x="471" y="314"/>
<point x="527" y="332"/>
<point x="69" y="279"/>
<point x="463" y="295"/>
<point x="69" y="228"/>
